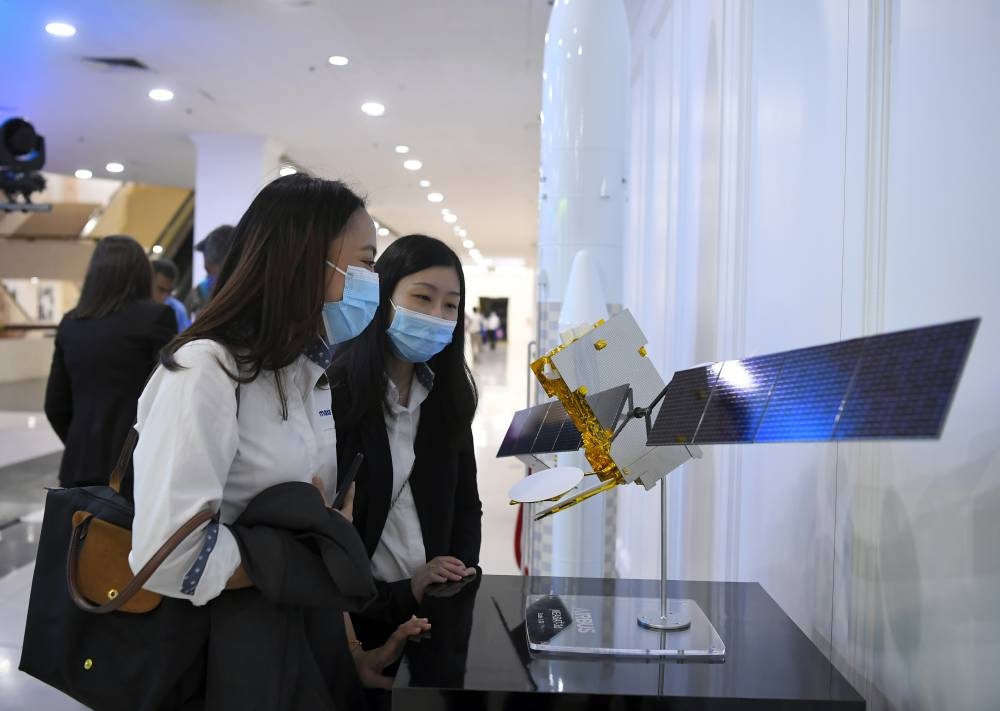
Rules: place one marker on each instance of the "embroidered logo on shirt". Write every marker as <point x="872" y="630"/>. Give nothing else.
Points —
<point x="326" y="413"/>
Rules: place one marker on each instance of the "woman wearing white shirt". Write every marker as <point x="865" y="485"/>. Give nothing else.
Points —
<point x="404" y="397"/>
<point x="240" y="402"/>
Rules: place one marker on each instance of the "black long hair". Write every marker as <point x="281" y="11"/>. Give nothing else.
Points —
<point x="267" y="302"/>
<point x="119" y="274"/>
<point x="360" y="366"/>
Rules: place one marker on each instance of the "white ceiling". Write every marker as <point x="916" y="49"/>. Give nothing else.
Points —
<point x="460" y="79"/>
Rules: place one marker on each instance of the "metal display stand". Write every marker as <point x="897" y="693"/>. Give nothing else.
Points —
<point x="625" y="626"/>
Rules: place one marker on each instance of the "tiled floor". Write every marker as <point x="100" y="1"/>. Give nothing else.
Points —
<point x="29" y="460"/>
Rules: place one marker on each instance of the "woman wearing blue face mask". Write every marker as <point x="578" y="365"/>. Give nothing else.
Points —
<point x="404" y="397"/>
<point x="241" y="406"/>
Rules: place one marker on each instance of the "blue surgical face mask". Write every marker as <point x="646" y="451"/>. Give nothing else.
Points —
<point x="347" y="318"/>
<point x="417" y="337"/>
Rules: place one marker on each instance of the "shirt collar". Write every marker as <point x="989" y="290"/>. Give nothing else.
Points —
<point x="425" y="376"/>
<point x="319" y="353"/>
<point x="423" y="381"/>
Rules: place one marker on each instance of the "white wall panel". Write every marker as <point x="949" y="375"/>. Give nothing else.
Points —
<point x="803" y="171"/>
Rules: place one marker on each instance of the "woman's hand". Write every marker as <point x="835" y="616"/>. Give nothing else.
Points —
<point x="370" y="663"/>
<point x="347" y="510"/>
<point x="438" y="570"/>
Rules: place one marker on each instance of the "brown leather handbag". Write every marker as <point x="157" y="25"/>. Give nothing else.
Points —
<point x="98" y="575"/>
<point x="140" y="650"/>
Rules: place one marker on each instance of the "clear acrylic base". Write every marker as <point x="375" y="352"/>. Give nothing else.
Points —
<point x="594" y="624"/>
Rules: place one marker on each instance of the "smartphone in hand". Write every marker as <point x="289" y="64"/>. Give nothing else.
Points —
<point x="352" y="471"/>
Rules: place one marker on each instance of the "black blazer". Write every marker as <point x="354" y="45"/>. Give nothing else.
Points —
<point x="281" y="644"/>
<point x="444" y="489"/>
<point x="99" y="368"/>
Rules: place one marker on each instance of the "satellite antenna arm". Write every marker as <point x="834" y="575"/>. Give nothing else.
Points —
<point x="640" y="413"/>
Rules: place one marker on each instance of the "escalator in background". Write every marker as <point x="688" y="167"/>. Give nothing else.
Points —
<point x="176" y="239"/>
<point x="44" y="258"/>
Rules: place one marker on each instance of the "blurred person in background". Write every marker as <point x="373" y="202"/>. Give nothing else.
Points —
<point x="493" y="325"/>
<point x="164" y="282"/>
<point x="105" y="349"/>
<point x="214" y="247"/>
<point x="474" y="328"/>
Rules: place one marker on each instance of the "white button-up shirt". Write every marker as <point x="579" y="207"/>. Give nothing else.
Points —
<point x="195" y="454"/>
<point x="400" y="550"/>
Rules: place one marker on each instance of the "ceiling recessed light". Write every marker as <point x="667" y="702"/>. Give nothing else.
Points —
<point x="84" y="174"/>
<point x="338" y="60"/>
<point x="435" y="197"/>
<point x="287" y="170"/>
<point x="60" y="29"/>
<point x="445" y="210"/>
<point x="377" y="225"/>
<point x="114" y="167"/>
<point x="373" y="108"/>
<point x="462" y="233"/>
<point x="161" y="95"/>
<point x="383" y="231"/>
<point x="402" y="149"/>
<point x="456" y="229"/>
<point x="451" y="218"/>
<point x="425" y="183"/>
<point x="475" y="253"/>
<point x="412" y="164"/>
<point x="468" y="244"/>
<point x="157" y="249"/>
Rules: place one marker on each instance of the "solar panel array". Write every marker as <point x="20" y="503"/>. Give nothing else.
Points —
<point x="896" y="385"/>
<point x="547" y="428"/>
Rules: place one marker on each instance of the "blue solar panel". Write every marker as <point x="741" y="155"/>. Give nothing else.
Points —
<point x="683" y="405"/>
<point x="522" y="431"/>
<point x="897" y="385"/>
<point x="548" y="428"/>
<point x="552" y="424"/>
<point x="569" y="439"/>
<point x="806" y="399"/>
<point x="905" y="383"/>
<point x="738" y="400"/>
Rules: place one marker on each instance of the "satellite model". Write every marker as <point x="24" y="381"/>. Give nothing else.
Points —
<point x="892" y="386"/>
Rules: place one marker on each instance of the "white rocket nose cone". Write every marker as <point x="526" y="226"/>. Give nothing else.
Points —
<point x="585" y="301"/>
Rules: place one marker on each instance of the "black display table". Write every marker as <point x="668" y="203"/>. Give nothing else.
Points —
<point x="477" y="656"/>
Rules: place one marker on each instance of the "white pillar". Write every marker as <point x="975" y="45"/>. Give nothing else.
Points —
<point x="581" y="206"/>
<point x="231" y="170"/>
<point x="578" y="533"/>
<point x="583" y="142"/>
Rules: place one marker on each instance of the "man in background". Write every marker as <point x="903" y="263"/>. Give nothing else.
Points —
<point x="492" y="326"/>
<point x="474" y="327"/>
<point x="164" y="282"/>
<point x="214" y="247"/>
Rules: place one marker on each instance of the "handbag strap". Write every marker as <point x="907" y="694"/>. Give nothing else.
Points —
<point x="139" y="579"/>
<point x="121" y="466"/>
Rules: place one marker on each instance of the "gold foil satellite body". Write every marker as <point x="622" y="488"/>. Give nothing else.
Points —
<point x="608" y="355"/>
